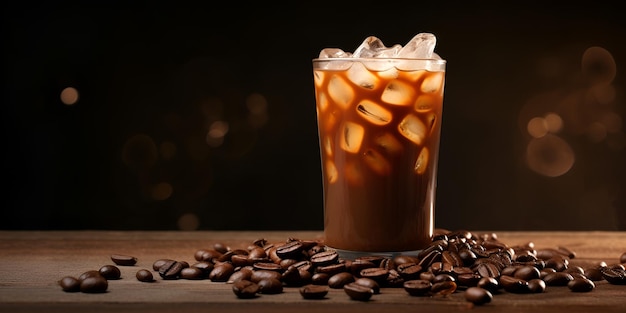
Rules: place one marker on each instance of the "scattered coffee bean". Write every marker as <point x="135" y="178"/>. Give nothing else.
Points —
<point x="171" y="270"/>
<point x="245" y="289"/>
<point x="358" y="292"/>
<point x="614" y="276"/>
<point x="110" y="272"/>
<point x="192" y="273"/>
<point x="622" y="258"/>
<point x="417" y="287"/>
<point x="558" y="279"/>
<point x="368" y="282"/>
<point x="477" y="295"/>
<point x="94" y="284"/>
<point x="123" y="260"/>
<point x="489" y="283"/>
<point x="536" y="285"/>
<point x="87" y="274"/>
<point x="340" y="279"/>
<point x="314" y="291"/>
<point x="443" y="288"/>
<point x="581" y="285"/>
<point x="144" y="275"/>
<point x="70" y="284"/>
<point x="270" y="286"/>
<point x="222" y="271"/>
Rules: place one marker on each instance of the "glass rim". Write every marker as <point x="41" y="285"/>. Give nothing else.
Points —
<point x="385" y="59"/>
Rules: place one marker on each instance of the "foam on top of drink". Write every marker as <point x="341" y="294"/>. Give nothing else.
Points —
<point x="421" y="46"/>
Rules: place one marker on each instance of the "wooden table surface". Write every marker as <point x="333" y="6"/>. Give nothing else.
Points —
<point x="32" y="262"/>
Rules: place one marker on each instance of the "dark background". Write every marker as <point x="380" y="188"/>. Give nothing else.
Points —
<point x="133" y="152"/>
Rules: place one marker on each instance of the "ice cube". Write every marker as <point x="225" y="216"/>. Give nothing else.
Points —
<point x="388" y="143"/>
<point x="368" y="48"/>
<point x="413" y="129"/>
<point x="422" y="161"/>
<point x="376" y="162"/>
<point x="360" y="76"/>
<point x="328" y="145"/>
<point x="322" y="101"/>
<point x="398" y="93"/>
<point x="331" y="171"/>
<point x="424" y="103"/>
<point x="373" y="112"/>
<point x="332" y="53"/>
<point x="421" y="46"/>
<point x="433" y="82"/>
<point x="340" y="91"/>
<point x="352" y="137"/>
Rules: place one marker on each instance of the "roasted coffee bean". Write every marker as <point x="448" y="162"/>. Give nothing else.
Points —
<point x="575" y="270"/>
<point x="226" y="257"/>
<point x="594" y="274"/>
<point x="430" y="258"/>
<point x="315" y="249"/>
<point x="110" y="272"/>
<point x="245" y="289"/>
<point x="221" y="247"/>
<point x="559" y="263"/>
<point x="270" y="286"/>
<point x="87" y="274"/>
<point x="488" y="269"/>
<point x="210" y="255"/>
<point x="239" y="275"/>
<point x="622" y="258"/>
<point x="159" y="263"/>
<point x="489" y="283"/>
<point x="69" y="284"/>
<point x="443" y="277"/>
<point x="331" y="269"/>
<point x="429" y="276"/>
<point x="221" y="272"/>
<point x="417" y="287"/>
<point x="368" y="282"/>
<point x="192" y="273"/>
<point x="378" y="274"/>
<point x="320" y="279"/>
<point x="239" y="260"/>
<point x="394" y="280"/>
<point x="558" y="279"/>
<point x="324" y="258"/>
<point x="478" y="296"/>
<point x="314" y="291"/>
<point x="94" y="284"/>
<point x="358" y="292"/>
<point x="544" y="272"/>
<point x="614" y="276"/>
<point x="409" y="270"/>
<point x="340" y="279"/>
<point x="205" y="266"/>
<point x="566" y="252"/>
<point x="144" y="275"/>
<point x="527" y="273"/>
<point x="304" y="265"/>
<point x="171" y="270"/>
<point x="286" y="263"/>
<point x="403" y="258"/>
<point x="292" y="249"/>
<point x="443" y="288"/>
<point x="452" y="257"/>
<point x="581" y="285"/>
<point x="513" y="284"/>
<point x="358" y="265"/>
<point x="536" y="285"/>
<point x="467" y="280"/>
<point x="123" y="260"/>
<point x="259" y="275"/>
<point x="268" y="266"/>
<point x="468" y="256"/>
<point x="257" y="253"/>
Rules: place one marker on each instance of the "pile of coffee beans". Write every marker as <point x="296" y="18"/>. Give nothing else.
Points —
<point x="479" y="265"/>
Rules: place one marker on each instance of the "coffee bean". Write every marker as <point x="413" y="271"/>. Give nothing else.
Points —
<point x="443" y="288"/>
<point x="320" y="279"/>
<point x="205" y="266"/>
<point x="331" y="269"/>
<point x="409" y="270"/>
<point x="314" y="291"/>
<point x="614" y="276"/>
<point x="239" y="275"/>
<point x="324" y="258"/>
<point x="69" y="284"/>
<point x="558" y="279"/>
<point x="468" y="279"/>
<point x="221" y="272"/>
<point x="94" y="284"/>
<point x="376" y="273"/>
<point x="488" y="269"/>
<point x="594" y="274"/>
<point x="245" y="289"/>
<point x="270" y="286"/>
<point x="340" y="279"/>
<point x="358" y="292"/>
<point x="358" y="265"/>
<point x="451" y="257"/>
<point x="192" y="273"/>
<point x="513" y="284"/>
<point x="417" y="287"/>
<point x="290" y="249"/>
<point x="171" y="270"/>
<point x="259" y="275"/>
<point x="527" y="273"/>
<point x="368" y="282"/>
<point x="581" y="285"/>
<point x="144" y="275"/>
<point x="489" y="283"/>
<point x="622" y="258"/>
<point x="159" y="263"/>
<point x="477" y="295"/>
<point x="110" y="272"/>
<point x="123" y="260"/>
<point x="536" y="285"/>
<point x="268" y="266"/>
<point x="87" y="274"/>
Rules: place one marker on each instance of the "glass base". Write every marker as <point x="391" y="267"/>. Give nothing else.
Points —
<point x="351" y="255"/>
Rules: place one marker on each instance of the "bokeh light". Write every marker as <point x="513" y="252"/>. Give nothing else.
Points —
<point x="549" y="156"/>
<point x="69" y="96"/>
<point x="188" y="222"/>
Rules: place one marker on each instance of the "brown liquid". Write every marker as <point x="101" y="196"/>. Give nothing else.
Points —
<point x="379" y="141"/>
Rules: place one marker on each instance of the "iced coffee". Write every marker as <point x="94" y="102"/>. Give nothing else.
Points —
<point x="379" y="113"/>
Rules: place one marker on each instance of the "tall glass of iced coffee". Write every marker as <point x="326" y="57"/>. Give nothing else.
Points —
<point x="379" y="113"/>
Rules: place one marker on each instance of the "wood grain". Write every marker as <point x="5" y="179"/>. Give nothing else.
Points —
<point x="33" y="261"/>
